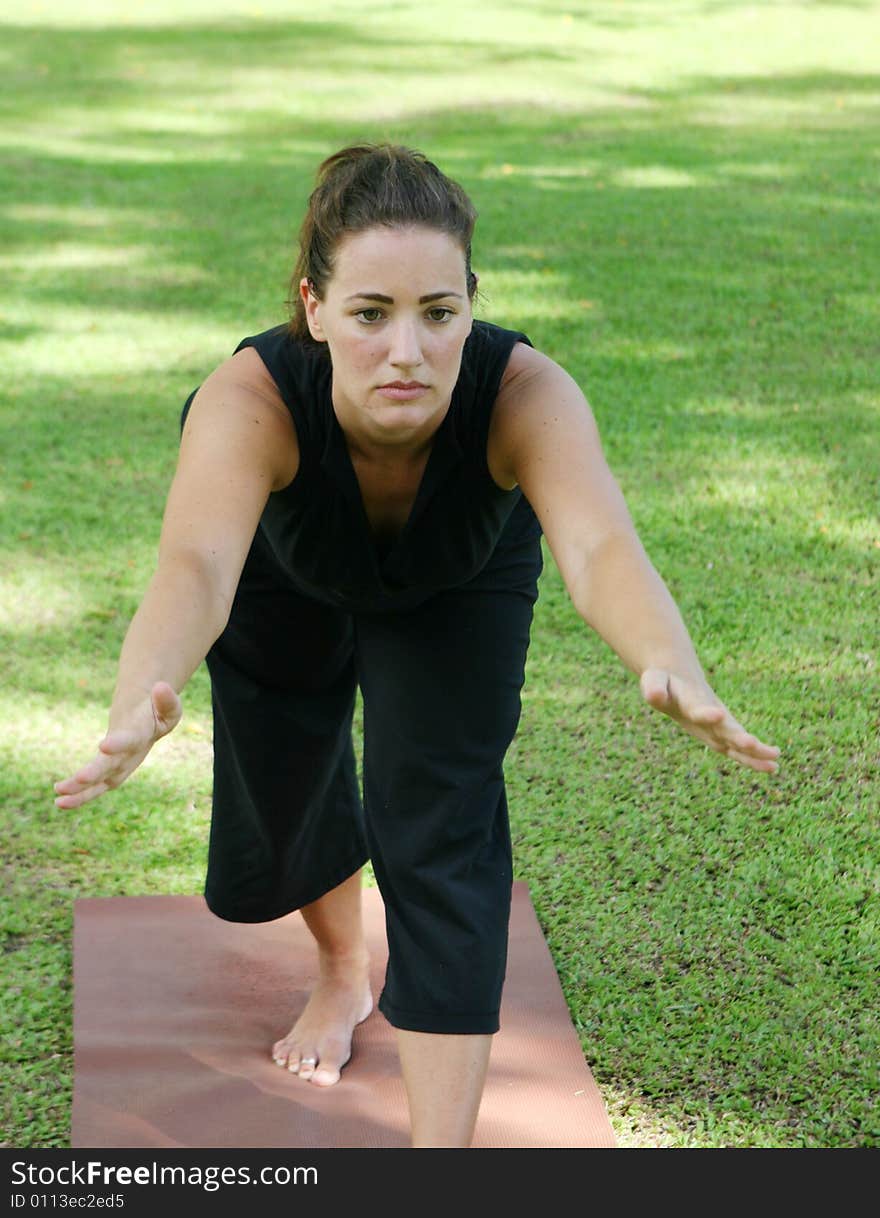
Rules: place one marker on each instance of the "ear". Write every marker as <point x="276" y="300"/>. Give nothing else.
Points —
<point x="311" y="304"/>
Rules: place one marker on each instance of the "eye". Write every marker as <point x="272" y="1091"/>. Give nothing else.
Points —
<point x="440" y="313"/>
<point x="370" y="315"/>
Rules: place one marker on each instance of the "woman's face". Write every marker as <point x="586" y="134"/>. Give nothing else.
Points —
<point x="395" y="316"/>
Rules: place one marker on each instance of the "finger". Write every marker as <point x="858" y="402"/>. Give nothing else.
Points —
<point x="82" y="778"/>
<point x="757" y="755"/>
<point x="75" y="801"/>
<point x="765" y="765"/>
<point x="102" y="769"/>
<point x="73" y="786"/>
<point x="744" y="742"/>
<point x="755" y="747"/>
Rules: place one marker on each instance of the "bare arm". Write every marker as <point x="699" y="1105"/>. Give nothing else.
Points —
<point x="238" y="445"/>
<point x="544" y="438"/>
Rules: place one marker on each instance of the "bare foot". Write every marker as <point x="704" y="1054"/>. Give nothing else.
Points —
<point x="319" y="1043"/>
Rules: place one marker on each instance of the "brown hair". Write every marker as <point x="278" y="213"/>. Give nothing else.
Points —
<point x="365" y="185"/>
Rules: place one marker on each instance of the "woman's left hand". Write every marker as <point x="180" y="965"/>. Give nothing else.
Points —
<point x="695" y="708"/>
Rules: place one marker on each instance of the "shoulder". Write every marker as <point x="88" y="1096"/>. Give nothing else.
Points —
<point x="536" y="398"/>
<point x="247" y="369"/>
<point x="239" y="404"/>
<point x="534" y="387"/>
<point x="244" y="378"/>
<point x="267" y="366"/>
<point x="529" y="367"/>
<point x="521" y="364"/>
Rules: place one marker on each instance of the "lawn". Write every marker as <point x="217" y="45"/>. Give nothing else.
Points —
<point x="678" y="201"/>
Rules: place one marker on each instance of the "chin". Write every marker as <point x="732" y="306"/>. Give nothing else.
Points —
<point x="405" y="416"/>
<point x="395" y="427"/>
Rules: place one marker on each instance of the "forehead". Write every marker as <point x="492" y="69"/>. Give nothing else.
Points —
<point x="415" y="252"/>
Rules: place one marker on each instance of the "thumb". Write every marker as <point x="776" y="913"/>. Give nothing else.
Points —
<point x="654" y="683"/>
<point x="167" y="707"/>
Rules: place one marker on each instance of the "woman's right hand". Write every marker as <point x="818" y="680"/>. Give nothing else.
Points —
<point x="123" y="749"/>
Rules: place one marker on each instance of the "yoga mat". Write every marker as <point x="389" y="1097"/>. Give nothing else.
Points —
<point x="175" y="1012"/>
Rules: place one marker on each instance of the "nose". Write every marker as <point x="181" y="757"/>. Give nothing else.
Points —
<point x="405" y="350"/>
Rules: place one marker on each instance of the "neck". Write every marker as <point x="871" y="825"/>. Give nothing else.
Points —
<point x="407" y="452"/>
<point x="398" y="451"/>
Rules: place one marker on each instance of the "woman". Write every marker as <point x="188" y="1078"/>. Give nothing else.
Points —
<point x="359" y="501"/>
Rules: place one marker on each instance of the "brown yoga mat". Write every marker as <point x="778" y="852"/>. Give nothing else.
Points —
<point x="175" y="1012"/>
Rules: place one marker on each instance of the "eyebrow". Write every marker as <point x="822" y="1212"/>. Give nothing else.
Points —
<point x="390" y="299"/>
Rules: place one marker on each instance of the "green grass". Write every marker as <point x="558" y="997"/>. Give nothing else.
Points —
<point x="679" y="202"/>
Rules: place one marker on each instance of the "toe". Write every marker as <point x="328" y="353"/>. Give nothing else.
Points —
<point x="328" y="1070"/>
<point x="325" y="1076"/>
<point x="307" y="1065"/>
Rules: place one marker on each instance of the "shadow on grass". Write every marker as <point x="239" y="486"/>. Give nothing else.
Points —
<point x="611" y="14"/>
<point x="653" y="261"/>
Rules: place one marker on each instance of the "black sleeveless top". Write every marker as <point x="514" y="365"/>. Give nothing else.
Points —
<point x="317" y="526"/>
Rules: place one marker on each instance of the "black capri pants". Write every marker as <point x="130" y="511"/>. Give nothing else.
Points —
<point x="441" y="694"/>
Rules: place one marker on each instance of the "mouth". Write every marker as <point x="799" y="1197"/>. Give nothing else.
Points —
<point x="402" y="391"/>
